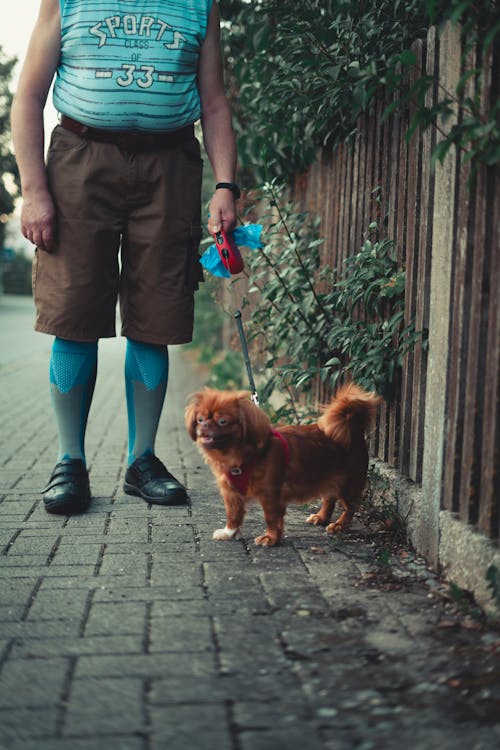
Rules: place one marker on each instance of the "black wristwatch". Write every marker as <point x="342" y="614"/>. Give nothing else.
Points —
<point x="232" y="186"/>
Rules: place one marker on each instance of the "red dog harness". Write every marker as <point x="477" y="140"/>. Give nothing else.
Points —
<point x="239" y="476"/>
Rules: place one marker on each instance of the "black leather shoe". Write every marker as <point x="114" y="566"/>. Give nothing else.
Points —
<point x="148" y="478"/>
<point x="68" y="489"/>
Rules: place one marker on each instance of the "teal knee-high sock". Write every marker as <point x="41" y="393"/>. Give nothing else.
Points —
<point x="73" y="369"/>
<point x="146" y="377"/>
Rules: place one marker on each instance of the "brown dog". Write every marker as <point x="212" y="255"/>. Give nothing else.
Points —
<point x="300" y="463"/>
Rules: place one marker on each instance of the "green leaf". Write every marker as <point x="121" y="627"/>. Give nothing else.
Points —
<point x="431" y="9"/>
<point x="407" y="57"/>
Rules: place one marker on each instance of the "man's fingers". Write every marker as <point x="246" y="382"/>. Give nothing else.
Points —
<point x="41" y="236"/>
<point x="38" y="220"/>
<point x="48" y="239"/>
<point x="222" y="212"/>
<point x="214" y="224"/>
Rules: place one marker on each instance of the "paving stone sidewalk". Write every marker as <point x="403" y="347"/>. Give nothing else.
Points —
<point x="129" y="628"/>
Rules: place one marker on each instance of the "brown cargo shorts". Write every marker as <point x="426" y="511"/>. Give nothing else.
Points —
<point x="128" y="228"/>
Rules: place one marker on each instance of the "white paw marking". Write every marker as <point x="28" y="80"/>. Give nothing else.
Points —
<point x="224" y="534"/>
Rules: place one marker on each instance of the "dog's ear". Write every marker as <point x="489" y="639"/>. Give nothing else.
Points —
<point x="255" y="422"/>
<point x="190" y="414"/>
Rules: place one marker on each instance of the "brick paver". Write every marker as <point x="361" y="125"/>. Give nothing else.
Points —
<point x="129" y="628"/>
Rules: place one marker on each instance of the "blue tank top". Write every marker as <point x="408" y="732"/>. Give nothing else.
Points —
<point x="128" y="65"/>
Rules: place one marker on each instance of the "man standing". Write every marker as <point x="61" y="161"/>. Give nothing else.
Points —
<point x="122" y="179"/>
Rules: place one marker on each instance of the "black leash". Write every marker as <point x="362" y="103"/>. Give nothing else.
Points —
<point x="253" y="389"/>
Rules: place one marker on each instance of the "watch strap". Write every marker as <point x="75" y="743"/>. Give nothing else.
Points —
<point x="232" y="186"/>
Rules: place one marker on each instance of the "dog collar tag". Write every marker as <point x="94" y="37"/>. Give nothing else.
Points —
<point x="239" y="478"/>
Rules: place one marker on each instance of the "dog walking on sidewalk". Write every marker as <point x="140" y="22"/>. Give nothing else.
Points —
<point x="297" y="463"/>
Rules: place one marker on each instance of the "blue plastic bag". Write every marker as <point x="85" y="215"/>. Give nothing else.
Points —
<point x="247" y="235"/>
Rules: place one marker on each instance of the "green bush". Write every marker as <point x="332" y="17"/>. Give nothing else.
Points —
<point x="331" y="323"/>
<point x="302" y="73"/>
<point x="17" y="275"/>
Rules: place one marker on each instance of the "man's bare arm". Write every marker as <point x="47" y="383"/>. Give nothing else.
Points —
<point x="37" y="216"/>
<point x="218" y="133"/>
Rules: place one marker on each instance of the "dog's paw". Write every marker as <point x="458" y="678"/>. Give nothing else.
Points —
<point x="336" y="528"/>
<point x="225" y="534"/>
<point x="316" y="519"/>
<point x="266" y="540"/>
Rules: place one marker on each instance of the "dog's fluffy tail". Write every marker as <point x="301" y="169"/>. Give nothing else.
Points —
<point x="350" y="412"/>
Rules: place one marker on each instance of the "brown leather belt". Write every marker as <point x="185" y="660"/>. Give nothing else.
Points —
<point x="128" y="140"/>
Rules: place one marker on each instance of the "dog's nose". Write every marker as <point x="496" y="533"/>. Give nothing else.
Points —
<point x="204" y="425"/>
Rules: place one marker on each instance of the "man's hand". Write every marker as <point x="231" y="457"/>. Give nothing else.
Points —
<point x="222" y="211"/>
<point x="38" y="220"/>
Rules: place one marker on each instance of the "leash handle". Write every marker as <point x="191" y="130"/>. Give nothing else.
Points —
<point x="244" y="347"/>
<point x="228" y="251"/>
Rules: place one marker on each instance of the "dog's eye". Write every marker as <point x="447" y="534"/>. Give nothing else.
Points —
<point x="200" y="418"/>
<point x="222" y="421"/>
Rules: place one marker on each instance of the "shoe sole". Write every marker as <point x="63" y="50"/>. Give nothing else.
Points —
<point x="177" y="498"/>
<point x="67" y="507"/>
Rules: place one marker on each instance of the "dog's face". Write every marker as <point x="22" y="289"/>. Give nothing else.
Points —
<point x="220" y="419"/>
